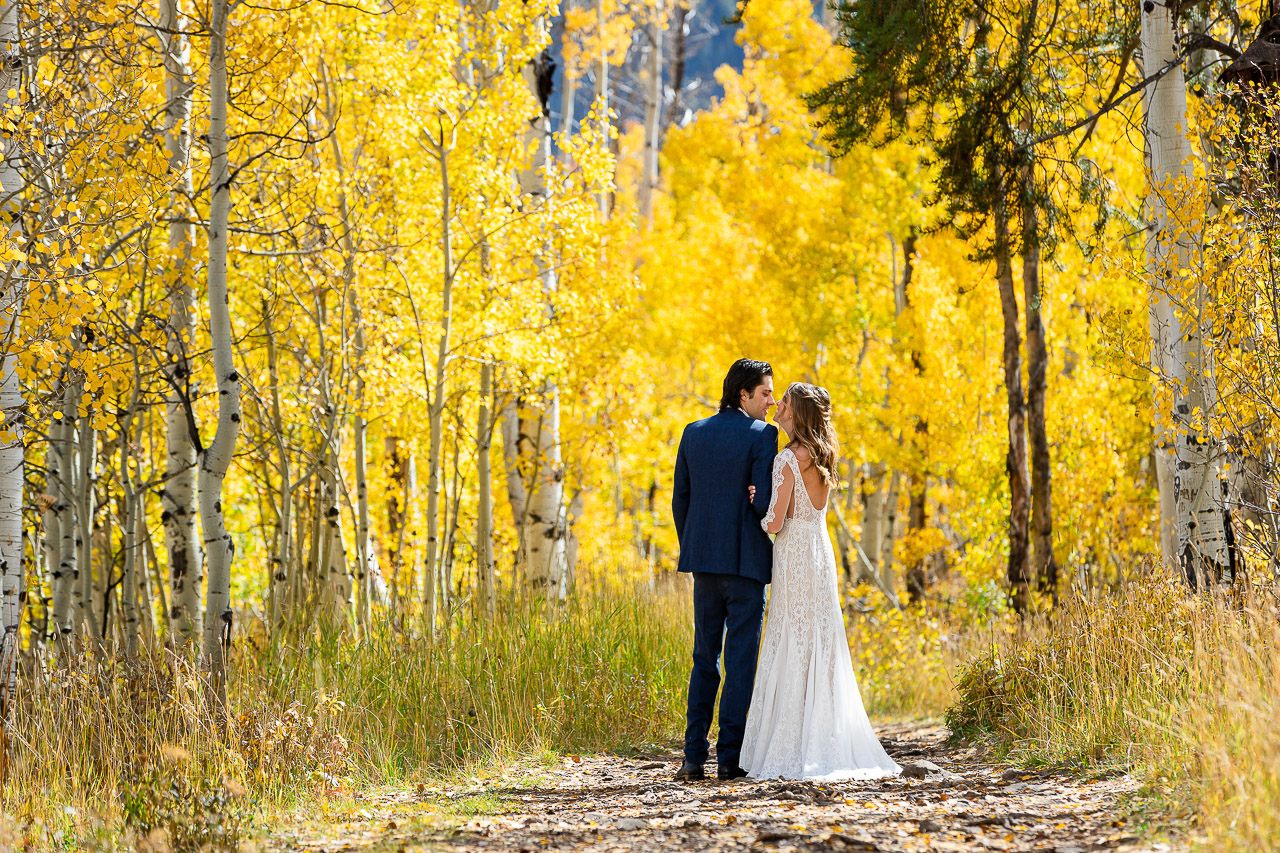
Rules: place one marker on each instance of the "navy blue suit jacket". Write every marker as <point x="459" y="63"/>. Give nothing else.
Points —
<point x="718" y="526"/>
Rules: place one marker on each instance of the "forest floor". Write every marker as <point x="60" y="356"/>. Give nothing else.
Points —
<point x="960" y="800"/>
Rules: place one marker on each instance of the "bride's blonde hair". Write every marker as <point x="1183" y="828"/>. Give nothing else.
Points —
<point x="813" y="430"/>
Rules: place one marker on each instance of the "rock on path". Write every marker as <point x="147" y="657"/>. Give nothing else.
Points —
<point x="948" y="800"/>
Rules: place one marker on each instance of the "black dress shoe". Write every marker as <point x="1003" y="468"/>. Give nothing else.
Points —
<point x="690" y="773"/>
<point x="724" y="774"/>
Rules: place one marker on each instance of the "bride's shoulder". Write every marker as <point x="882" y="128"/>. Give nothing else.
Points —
<point x="799" y="451"/>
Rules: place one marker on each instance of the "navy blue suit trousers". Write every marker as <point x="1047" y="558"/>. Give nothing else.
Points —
<point x="731" y="558"/>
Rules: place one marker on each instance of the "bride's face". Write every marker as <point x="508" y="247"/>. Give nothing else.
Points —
<point x="783" y="416"/>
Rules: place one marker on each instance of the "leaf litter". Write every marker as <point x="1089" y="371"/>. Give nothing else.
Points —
<point x="949" y="799"/>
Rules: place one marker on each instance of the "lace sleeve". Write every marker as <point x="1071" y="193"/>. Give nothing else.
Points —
<point x="780" y="471"/>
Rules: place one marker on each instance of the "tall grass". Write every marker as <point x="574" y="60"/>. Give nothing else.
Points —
<point x="320" y="712"/>
<point x="906" y="660"/>
<point x="1183" y="688"/>
<point x="108" y="749"/>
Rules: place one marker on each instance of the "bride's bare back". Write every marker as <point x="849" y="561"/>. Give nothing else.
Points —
<point x="812" y="477"/>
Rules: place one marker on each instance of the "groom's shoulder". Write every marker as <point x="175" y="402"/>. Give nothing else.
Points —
<point x="700" y="424"/>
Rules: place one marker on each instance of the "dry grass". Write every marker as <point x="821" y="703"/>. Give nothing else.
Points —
<point x="103" y="743"/>
<point x="110" y="751"/>
<point x="1184" y="689"/>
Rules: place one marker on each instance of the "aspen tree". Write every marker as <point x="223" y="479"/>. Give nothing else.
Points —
<point x="544" y="534"/>
<point x="484" y="499"/>
<point x="178" y="497"/>
<point x="1193" y="518"/>
<point x="215" y="460"/>
<point x="440" y="146"/>
<point x="652" y="111"/>
<point x="364" y="577"/>
<point x="68" y="606"/>
<point x="86" y="509"/>
<point x="12" y="429"/>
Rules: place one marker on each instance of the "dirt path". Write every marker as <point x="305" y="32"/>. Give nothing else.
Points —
<point x="607" y="803"/>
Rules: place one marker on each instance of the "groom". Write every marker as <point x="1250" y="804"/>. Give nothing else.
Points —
<point x="729" y="554"/>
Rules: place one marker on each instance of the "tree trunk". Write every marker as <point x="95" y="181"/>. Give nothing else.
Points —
<point x="873" y="511"/>
<point x="178" y="497"/>
<point x="602" y="100"/>
<point x="432" y="567"/>
<point x="890" y="529"/>
<point x="398" y="497"/>
<point x="86" y="480"/>
<point x="917" y="489"/>
<point x="1016" y="456"/>
<point x="1196" y="533"/>
<point x="484" y="511"/>
<point x="544" y="517"/>
<point x="1046" y="567"/>
<point x="281" y="567"/>
<point x="917" y="572"/>
<point x="129" y="580"/>
<point x="364" y="577"/>
<point x="679" y="58"/>
<point x="334" y="574"/>
<point x="513" y="440"/>
<point x="216" y="459"/>
<point x="12" y="452"/>
<point x="66" y="575"/>
<point x="568" y="85"/>
<point x="52" y="542"/>
<point x="652" y="113"/>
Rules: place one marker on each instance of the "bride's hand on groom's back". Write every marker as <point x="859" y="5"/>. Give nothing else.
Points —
<point x="751" y="493"/>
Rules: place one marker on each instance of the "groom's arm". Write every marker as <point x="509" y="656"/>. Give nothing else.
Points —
<point x="680" y="491"/>
<point x="766" y="447"/>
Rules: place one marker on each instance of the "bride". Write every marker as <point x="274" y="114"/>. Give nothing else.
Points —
<point x="806" y="719"/>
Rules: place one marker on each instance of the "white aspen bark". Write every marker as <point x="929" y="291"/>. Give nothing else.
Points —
<point x="215" y="460"/>
<point x="889" y="530"/>
<point x="86" y="479"/>
<point x="334" y="572"/>
<point x="280" y="562"/>
<point x="12" y="453"/>
<point x="1194" y="537"/>
<point x="142" y="575"/>
<point x="67" y="609"/>
<point x="432" y="564"/>
<point x="873" y="514"/>
<point x="602" y="100"/>
<point x="178" y="498"/>
<point x="52" y="541"/>
<point x="485" y="575"/>
<point x="129" y="582"/>
<point x="364" y="574"/>
<point x="572" y="513"/>
<point x="652" y="113"/>
<point x="544" y="535"/>
<point x="453" y="511"/>
<point x="568" y="89"/>
<point x="845" y="542"/>
<point x="512" y="449"/>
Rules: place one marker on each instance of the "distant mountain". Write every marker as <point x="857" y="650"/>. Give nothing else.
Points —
<point x="710" y="43"/>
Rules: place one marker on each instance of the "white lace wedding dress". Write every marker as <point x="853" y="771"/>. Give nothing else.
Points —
<point x="806" y="719"/>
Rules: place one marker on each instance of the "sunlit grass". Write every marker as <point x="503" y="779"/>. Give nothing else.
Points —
<point x="1182" y="688"/>
<point x="317" y="713"/>
<point x="109" y="749"/>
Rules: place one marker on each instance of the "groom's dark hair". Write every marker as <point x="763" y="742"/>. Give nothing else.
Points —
<point x="745" y="375"/>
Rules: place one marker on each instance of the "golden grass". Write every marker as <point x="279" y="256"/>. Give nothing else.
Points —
<point x="1182" y="688"/>
<point x="101" y="741"/>
<point x="110" y="751"/>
